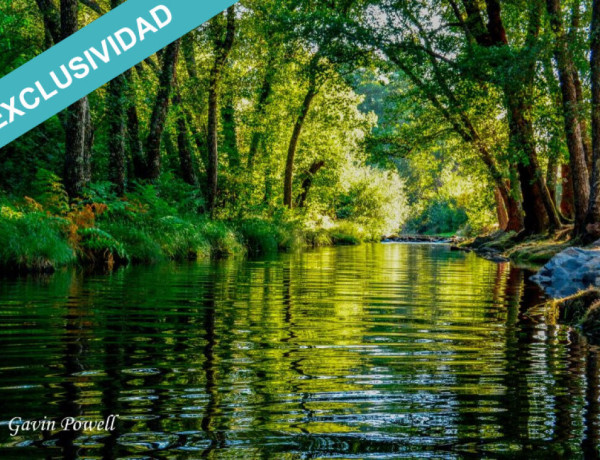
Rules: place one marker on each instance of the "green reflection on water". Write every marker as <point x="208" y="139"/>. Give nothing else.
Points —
<point x="376" y="350"/>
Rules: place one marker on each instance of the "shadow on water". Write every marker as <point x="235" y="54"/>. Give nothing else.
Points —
<point x="378" y="350"/>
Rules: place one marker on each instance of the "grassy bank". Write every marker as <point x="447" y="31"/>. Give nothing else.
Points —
<point x="150" y="224"/>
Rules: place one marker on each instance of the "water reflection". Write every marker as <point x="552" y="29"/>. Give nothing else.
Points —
<point x="378" y="350"/>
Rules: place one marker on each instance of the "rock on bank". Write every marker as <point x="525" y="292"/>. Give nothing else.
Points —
<point x="570" y="271"/>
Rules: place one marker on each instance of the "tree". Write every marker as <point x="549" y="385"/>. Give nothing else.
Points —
<point x="311" y="92"/>
<point x="593" y="215"/>
<point x="223" y="42"/>
<point x="161" y="108"/>
<point x="186" y="162"/>
<point x="117" y="128"/>
<point x="578" y="163"/>
<point x="76" y="118"/>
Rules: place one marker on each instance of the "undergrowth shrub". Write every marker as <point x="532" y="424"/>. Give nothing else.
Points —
<point x="373" y="201"/>
<point x="181" y="239"/>
<point x="48" y="190"/>
<point x="347" y="233"/>
<point x="98" y="246"/>
<point x="137" y="242"/>
<point x="441" y="216"/>
<point x="33" y="241"/>
<point x="153" y="222"/>
<point x="259" y="236"/>
<point x="187" y="198"/>
<point x="223" y="240"/>
<point x="317" y="237"/>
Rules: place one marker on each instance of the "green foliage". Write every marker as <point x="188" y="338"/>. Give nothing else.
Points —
<point x="32" y="242"/>
<point x="439" y="217"/>
<point x="374" y="200"/>
<point x="267" y="237"/>
<point x="347" y="234"/>
<point x="137" y="242"/>
<point x="317" y="236"/>
<point x="180" y="239"/>
<point x="149" y="201"/>
<point x="96" y="244"/>
<point x="384" y="145"/>
<point x="259" y="236"/>
<point x="222" y="239"/>
<point x="187" y="198"/>
<point x="48" y="190"/>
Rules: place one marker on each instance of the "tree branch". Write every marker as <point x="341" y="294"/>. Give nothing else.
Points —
<point x="93" y="6"/>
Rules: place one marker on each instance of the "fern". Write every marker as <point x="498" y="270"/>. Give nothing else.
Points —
<point x="49" y="191"/>
<point x="95" y="242"/>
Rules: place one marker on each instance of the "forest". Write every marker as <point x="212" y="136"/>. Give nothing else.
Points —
<point x="279" y="124"/>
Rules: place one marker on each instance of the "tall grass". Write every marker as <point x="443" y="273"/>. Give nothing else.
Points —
<point x="149" y="225"/>
<point x="33" y="242"/>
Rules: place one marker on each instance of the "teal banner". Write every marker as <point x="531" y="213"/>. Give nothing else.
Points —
<point x="93" y="56"/>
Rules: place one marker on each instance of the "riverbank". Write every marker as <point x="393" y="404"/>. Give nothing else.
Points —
<point x="439" y="239"/>
<point x="147" y="226"/>
<point x="532" y="252"/>
<point x="35" y="242"/>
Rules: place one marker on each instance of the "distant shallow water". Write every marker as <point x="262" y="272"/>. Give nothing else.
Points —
<point x="386" y="350"/>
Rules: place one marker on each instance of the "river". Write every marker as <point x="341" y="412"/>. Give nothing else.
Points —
<point x="376" y="351"/>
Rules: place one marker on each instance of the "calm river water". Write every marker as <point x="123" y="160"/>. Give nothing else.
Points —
<point x="353" y="352"/>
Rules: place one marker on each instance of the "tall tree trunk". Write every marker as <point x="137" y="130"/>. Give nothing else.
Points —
<point x="308" y="181"/>
<point x="583" y="126"/>
<point x="116" y="128"/>
<point x="265" y="92"/>
<point x="198" y="135"/>
<point x="572" y="38"/>
<point x="186" y="162"/>
<point x="578" y="163"/>
<point x="230" y="143"/>
<point x="461" y="122"/>
<point x="75" y="171"/>
<point x="160" y="111"/>
<point x="293" y="145"/>
<point x="136" y="146"/>
<point x="89" y="141"/>
<point x="212" y="171"/>
<point x="552" y="177"/>
<point x="501" y="211"/>
<point x="539" y="209"/>
<point x="514" y="215"/>
<point x="556" y="135"/>
<point x="567" y="202"/>
<point x="593" y="216"/>
<point x="540" y="212"/>
<point x="52" y="19"/>
<point x="189" y="54"/>
<point x="76" y="141"/>
<point x="116" y="133"/>
<point x="536" y="200"/>
<point x="222" y="50"/>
